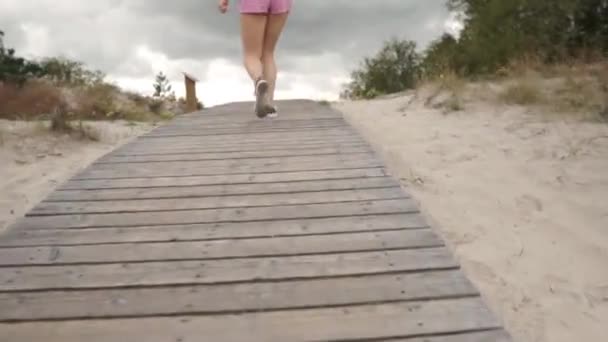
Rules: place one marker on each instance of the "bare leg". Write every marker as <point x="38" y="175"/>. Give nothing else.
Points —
<point x="253" y="27"/>
<point x="274" y="27"/>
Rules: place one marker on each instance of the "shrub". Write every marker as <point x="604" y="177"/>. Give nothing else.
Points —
<point x="523" y="92"/>
<point x="393" y="69"/>
<point x="32" y="100"/>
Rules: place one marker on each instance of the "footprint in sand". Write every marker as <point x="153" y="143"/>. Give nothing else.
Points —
<point x="530" y="204"/>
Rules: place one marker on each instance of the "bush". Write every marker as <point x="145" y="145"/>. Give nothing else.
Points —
<point x="523" y="92"/>
<point x="96" y="102"/>
<point x="495" y="32"/>
<point x="14" y="69"/>
<point x="395" y="68"/>
<point x="65" y="72"/>
<point x="31" y="100"/>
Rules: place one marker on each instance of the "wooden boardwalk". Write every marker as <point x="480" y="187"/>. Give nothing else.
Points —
<point x="222" y="227"/>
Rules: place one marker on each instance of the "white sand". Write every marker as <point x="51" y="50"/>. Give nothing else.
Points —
<point x="34" y="161"/>
<point x="522" y="201"/>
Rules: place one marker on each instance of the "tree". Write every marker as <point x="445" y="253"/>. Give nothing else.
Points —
<point x="496" y="31"/>
<point x="394" y="68"/>
<point x="16" y="69"/>
<point x="71" y="73"/>
<point x="442" y="55"/>
<point x="162" y="87"/>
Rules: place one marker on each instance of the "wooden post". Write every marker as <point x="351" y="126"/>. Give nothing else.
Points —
<point x="191" y="100"/>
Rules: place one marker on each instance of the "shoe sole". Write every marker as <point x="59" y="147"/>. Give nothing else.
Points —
<point x="260" y="105"/>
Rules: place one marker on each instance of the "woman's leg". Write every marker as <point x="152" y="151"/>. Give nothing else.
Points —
<point x="253" y="27"/>
<point x="279" y="11"/>
<point x="274" y="27"/>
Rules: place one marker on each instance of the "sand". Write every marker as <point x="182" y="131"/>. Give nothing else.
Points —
<point x="519" y="196"/>
<point x="34" y="161"/>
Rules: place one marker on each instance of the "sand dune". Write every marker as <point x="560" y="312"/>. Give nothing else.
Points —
<point x="520" y="197"/>
<point x="34" y="161"/>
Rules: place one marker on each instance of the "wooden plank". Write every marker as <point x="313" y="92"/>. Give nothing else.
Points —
<point x="136" y="148"/>
<point x="246" y="141"/>
<point x="219" y="118"/>
<point x="219" y="249"/>
<point x="209" y="123"/>
<point x="234" y="145"/>
<point x="236" y="163"/>
<point x="277" y="213"/>
<point x="235" y="167"/>
<point x="202" y="131"/>
<point x="247" y="297"/>
<point x="112" y="159"/>
<point x="124" y="152"/>
<point x="36" y="278"/>
<point x="209" y="232"/>
<point x="223" y="190"/>
<point x="492" y="335"/>
<point x="197" y="180"/>
<point x="213" y="202"/>
<point x="369" y="322"/>
<point x="217" y="129"/>
<point x="290" y="135"/>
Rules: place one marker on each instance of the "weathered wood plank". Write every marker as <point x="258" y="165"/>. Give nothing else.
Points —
<point x="330" y="324"/>
<point x="219" y="249"/>
<point x="111" y="159"/>
<point x="209" y="124"/>
<point x="214" y="202"/>
<point x="244" y="141"/>
<point x="238" y="163"/>
<point x="134" y="150"/>
<point x="223" y="271"/>
<point x="492" y="335"/>
<point x="227" y="167"/>
<point x="223" y="190"/>
<point x="293" y="135"/>
<point x="236" y="179"/>
<point x="239" y="145"/>
<point x="202" y="131"/>
<point x="247" y="297"/>
<point x="277" y="213"/>
<point x="216" y="231"/>
<point x="205" y="128"/>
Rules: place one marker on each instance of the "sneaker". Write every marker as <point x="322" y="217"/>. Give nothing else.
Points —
<point x="272" y="111"/>
<point x="261" y="89"/>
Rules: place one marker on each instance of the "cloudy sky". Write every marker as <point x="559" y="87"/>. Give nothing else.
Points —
<point x="131" y="40"/>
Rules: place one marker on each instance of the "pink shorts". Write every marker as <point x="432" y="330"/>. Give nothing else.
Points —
<point x="265" y="6"/>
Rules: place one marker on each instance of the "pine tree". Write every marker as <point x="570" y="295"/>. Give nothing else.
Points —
<point x="162" y="87"/>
